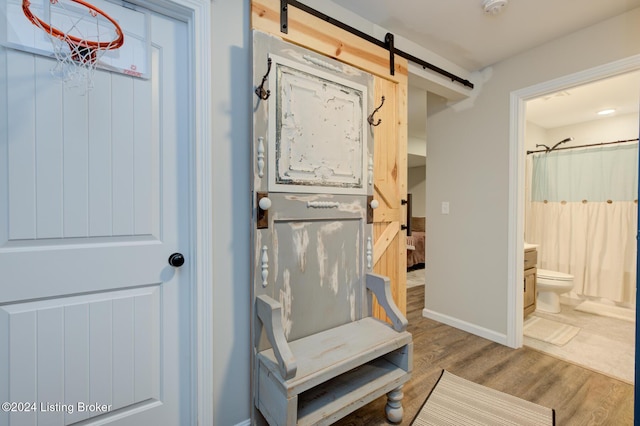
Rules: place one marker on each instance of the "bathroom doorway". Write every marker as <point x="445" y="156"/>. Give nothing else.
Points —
<point x="534" y="132"/>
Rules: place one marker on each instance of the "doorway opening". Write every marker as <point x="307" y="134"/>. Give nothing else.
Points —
<point x="519" y="101"/>
<point x="581" y="218"/>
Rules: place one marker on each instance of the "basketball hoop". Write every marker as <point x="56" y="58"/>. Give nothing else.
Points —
<point x="79" y="35"/>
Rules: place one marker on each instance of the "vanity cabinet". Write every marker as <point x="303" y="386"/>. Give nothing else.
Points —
<point x="530" y="260"/>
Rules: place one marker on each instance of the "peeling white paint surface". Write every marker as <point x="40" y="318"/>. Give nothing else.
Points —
<point x="286" y="300"/>
<point x="352" y="305"/>
<point x="275" y="250"/>
<point x="300" y="244"/>
<point x="319" y="128"/>
<point x="333" y="279"/>
<point x="337" y="67"/>
<point x="357" y="248"/>
<point x="324" y="64"/>
<point x="322" y="252"/>
<point x="320" y="131"/>
<point x="308" y="198"/>
<point x="258" y="248"/>
<point x="354" y="207"/>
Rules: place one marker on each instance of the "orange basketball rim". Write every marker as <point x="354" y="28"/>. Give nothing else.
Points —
<point x="87" y="48"/>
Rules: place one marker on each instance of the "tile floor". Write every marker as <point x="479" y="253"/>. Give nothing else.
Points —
<point x="606" y="345"/>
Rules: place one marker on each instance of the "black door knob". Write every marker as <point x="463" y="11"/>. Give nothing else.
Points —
<point x="176" y="259"/>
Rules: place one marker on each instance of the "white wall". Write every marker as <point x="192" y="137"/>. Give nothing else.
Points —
<point x="468" y="165"/>
<point x="232" y="95"/>
<point x="417" y="186"/>
<point x="611" y="129"/>
<point x="598" y="130"/>
<point x="535" y="135"/>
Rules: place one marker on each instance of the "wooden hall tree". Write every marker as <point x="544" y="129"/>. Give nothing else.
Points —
<point x="318" y="258"/>
<point x="390" y="167"/>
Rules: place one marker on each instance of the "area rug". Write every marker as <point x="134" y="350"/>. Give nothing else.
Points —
<point x="456" y="401"/>
<point x="415" y="278"/>
<point x="549" y="331"/>
<point x="618" y="312"/>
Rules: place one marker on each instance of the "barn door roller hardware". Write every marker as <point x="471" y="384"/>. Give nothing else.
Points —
<point x="387" y="44"/>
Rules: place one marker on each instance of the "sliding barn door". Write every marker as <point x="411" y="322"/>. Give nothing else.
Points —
<point x="390" y="171"/>
<point x="390" y="153"/>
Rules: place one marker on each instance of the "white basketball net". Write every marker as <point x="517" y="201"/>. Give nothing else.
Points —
<point x="75" y="62"/>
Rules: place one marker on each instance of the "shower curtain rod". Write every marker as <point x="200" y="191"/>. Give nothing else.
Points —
<point x="584" y="146"/>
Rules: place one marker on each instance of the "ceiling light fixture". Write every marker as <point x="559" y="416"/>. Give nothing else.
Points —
<point x="493" y="7"/>
<point x="606" y="111"/>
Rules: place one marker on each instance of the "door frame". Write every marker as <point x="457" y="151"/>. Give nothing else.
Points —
<point x="197" y="15"/>
<point x="515" y="264"/>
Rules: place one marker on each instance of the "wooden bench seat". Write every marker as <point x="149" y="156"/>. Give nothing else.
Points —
<point x="322" y="377"/>
<point x="336" y="351"/>
<point x="321" y="346"/>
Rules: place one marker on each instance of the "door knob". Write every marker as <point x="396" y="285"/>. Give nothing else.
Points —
<point x="265" y="203"/>
<point x="176" y="260"/>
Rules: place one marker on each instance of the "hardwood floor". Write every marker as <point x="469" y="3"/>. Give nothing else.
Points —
<point x="579" y="396"/>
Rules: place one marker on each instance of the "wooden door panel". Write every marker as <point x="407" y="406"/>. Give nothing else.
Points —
<point x="390" y="168"/>
<point x="325" y="38"/>
<point x="390" y="171"/>
<point x="312" y="146"/>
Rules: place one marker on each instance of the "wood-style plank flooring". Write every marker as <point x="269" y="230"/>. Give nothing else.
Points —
<point x="579" y="396"/>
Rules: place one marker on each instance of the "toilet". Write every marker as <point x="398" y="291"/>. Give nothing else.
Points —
<point x="549" y="286"/>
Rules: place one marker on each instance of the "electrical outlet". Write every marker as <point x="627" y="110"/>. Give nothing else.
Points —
<point x="445" y="207"/>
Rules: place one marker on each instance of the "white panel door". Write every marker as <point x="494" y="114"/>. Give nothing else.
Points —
<point x="94" y="322"/>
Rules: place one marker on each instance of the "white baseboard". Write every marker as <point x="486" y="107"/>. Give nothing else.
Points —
<point x="466" y="326"/>
<point x="245" y="423"/>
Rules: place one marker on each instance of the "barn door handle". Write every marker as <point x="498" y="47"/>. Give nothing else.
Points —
<point x="176" y="260"/>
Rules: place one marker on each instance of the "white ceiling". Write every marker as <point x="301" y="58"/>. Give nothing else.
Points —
<point x="582" y="103"/>
<point x="460" y="31"/>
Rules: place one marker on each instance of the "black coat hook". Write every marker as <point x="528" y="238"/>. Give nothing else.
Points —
<point x="370" y="119"/>
<point x="260" y="91"/>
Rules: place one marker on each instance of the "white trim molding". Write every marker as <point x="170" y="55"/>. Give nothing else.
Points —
<point x="197" y="15"/>
<point x="465" y="326"/>
<point x="202" y="301"/>
<point x="516" y="178"/>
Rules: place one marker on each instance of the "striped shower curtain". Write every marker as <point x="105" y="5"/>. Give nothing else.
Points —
<point x="582" y="211"/>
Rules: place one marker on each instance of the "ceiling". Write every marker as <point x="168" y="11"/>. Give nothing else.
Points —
<point x="464" y="34"/>
<point x="582" y="103"/>
<point x="461" y="32"/>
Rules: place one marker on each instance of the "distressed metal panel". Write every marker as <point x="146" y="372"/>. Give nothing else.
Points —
<point x="314" y="123"/>
<point x="317" y="132"/>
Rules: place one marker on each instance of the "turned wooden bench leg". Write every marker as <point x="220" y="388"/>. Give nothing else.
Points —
<point x="394" y="405"/>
